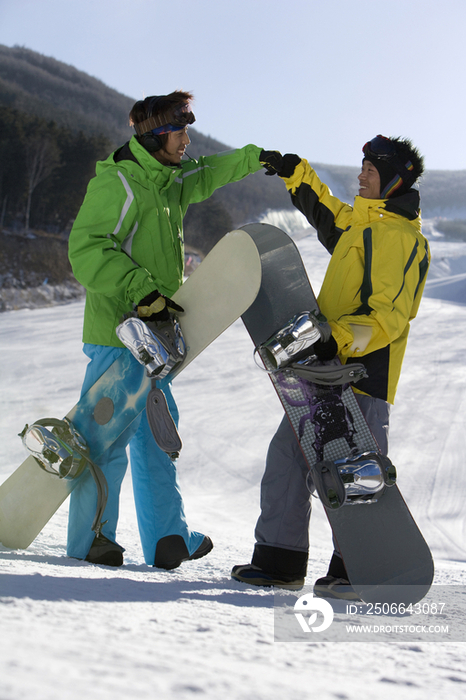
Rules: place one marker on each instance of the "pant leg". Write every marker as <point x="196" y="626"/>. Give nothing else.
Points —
<point x="377" y="415"/>
<point x="158" y="499"/>
<point x="282" y="530"/>
<point x="285" y="504"/>
<point x="83" y="499"/>
<point x="285" y="498"/>
<point x="159" y="504"/>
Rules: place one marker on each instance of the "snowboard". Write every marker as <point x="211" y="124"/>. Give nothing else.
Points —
<point x="215" y="295"/>
<point x="385" y="554"/>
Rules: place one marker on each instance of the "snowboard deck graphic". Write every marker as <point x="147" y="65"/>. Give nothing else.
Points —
<point x="213" y="297"/>
<point x="385" y="554"/>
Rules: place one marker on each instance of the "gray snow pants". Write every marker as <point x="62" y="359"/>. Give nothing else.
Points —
<point x="282" y="530"/>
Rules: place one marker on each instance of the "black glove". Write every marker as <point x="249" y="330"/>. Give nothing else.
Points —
<point x="325" y="349"/>
<point x="157" y="307"/>
<point x="275" y="163"/>
<point x="290" y="161"/>
<point x="272" y="161"/>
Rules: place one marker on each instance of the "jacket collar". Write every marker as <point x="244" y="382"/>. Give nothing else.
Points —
<point x="162" y="175"/>
<point x="407" y="206"/>
<point x="144" y="168"/>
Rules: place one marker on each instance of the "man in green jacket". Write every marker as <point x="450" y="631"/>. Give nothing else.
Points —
<point x="126" y="248"/>
<point x="371" y="292"/>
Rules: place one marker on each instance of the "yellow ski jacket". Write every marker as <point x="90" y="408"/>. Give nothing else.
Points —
<point x="375" y="278"/>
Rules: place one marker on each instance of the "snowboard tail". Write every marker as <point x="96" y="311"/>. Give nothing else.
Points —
<point x="213" y="297"/>
<point x="385" y="554"/>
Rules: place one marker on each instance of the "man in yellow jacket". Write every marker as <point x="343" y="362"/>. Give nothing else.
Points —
<point x="371" y="291"/>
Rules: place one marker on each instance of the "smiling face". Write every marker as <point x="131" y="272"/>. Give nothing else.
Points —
<point x="173" y="150"/>
<point x="369" y="181"/>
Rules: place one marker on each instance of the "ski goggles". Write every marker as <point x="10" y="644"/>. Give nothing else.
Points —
<point x="381" y="148"/>
<point x="172" y="120"/>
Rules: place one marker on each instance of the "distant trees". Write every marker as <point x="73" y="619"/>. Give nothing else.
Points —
<point x="12" y="175"/>
<point x="42" y="157"/>
<point x="86" y="120"/>
<point x="44" y="171"/>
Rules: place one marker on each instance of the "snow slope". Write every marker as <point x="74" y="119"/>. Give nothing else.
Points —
<point x="71" y="630"/>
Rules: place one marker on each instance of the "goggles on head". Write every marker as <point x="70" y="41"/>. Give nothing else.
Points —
<point x="381" y="148"/>
<point x="171" y="120"/>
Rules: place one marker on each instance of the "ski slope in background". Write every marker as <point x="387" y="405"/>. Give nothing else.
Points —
<point x="71" y="630"/>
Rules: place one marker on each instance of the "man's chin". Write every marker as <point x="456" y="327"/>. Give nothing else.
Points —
<point x="168" y="158"/>
<point x="175" y="158"/>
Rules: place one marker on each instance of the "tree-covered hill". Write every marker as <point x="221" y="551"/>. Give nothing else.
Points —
<point x="57" y="121"/>
<point x="47" y="89"/>
<point x="54" y="91"/>
<point x="43" y="88"/>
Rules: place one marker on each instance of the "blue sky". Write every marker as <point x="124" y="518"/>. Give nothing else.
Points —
<point x="313" y="77"/>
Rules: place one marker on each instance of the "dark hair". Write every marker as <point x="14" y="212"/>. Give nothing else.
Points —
<point x="408" y="152"/>
<point x="151" y="106"/>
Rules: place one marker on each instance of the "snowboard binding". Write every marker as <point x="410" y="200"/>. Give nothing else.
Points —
<point x="330" y="374"/>
<point x="358" y="479"/>
<point x="60" y="450"/>
<point x="158" y="346"/>
<point x="295" y="340"/>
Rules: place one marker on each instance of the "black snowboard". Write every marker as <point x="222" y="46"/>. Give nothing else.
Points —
<point x="385" y="554"/>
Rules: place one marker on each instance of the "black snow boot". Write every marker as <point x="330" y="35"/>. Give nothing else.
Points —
<point x="104" y="551"/>
<point x="172" y="551"/>
<point x="336" y="583"/>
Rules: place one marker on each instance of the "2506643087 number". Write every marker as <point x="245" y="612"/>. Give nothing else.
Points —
<point x="395" y="609"/>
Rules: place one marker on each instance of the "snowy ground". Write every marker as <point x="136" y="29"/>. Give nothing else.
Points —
<point x="72" y="630"/>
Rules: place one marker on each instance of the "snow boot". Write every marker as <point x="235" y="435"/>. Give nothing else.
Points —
<point x="104" y="551"/>
<point x="172" y="551"/>
<point x="336" y="583"/>
<point x="255" y="576"/>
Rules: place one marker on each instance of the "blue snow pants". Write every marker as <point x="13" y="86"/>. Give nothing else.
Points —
<point x="159" y="505"/>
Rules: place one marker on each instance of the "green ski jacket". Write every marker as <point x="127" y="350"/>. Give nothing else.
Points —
<point x="127" y="239"/>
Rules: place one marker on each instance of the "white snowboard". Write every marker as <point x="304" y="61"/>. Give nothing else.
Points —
<point x="218" y="292"/>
